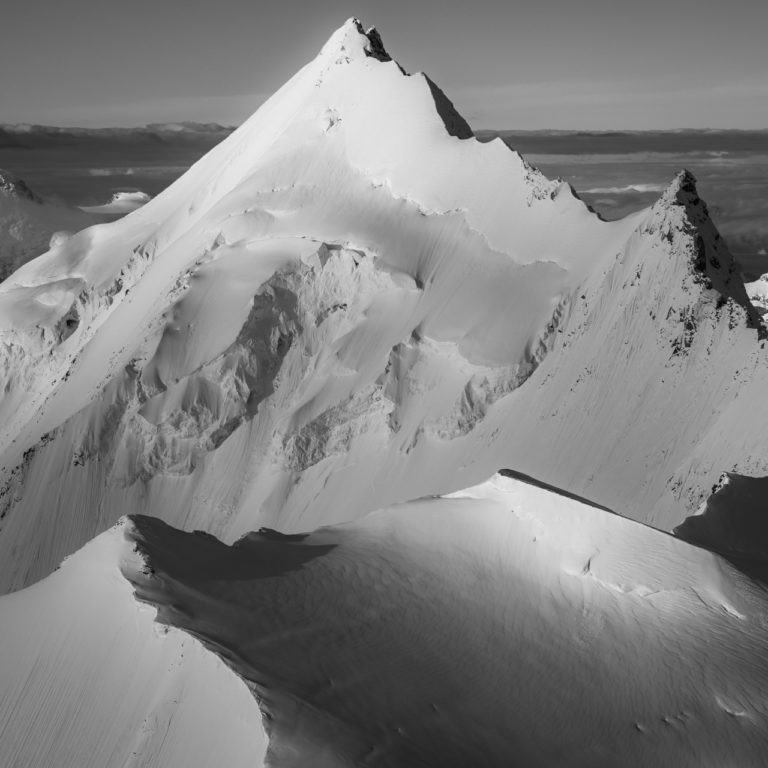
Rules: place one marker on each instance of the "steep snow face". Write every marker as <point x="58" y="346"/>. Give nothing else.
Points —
<point x="657" y="371"/>
<point x="88" y="680"/>
<point x="351" y="300"/>
<point x="502" y="625"/>
<point x="255" y="318"/>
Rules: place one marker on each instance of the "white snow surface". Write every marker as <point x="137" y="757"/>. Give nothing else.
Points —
<point x="346" y="305"/>
<point x="501" y="625"/>
<point x="121" y="202"/>
<point x="89" y="680"/>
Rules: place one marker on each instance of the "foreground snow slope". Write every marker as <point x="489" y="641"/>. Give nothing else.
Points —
<point x="503" y="625"/>
<point x="87" y="679"/>
<point x="352" y="300"/>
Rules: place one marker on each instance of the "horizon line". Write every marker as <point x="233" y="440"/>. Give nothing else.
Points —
<point x="23" y="127"/>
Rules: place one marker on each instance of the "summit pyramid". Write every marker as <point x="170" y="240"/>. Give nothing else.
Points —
<point x="351" y="302"/>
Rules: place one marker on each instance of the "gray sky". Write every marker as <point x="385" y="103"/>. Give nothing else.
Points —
<point x="535" y="64"/>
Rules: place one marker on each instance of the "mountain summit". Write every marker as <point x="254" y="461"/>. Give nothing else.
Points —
<point x="351" y="302"/>
<point x="353" y="40"/>
<point x="345" y="319"/>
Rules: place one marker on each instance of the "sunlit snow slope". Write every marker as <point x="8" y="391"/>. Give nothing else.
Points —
<point x="503" y="625"/>
<point x="88" y="680"/>
<point x="352" y="300"/>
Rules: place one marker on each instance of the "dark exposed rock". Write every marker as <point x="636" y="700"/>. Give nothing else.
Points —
<point x="14" y="187"/>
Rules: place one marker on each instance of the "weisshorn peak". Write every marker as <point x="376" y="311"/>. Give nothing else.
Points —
<point x="351" y="302"/>
<point x="356" y="442"/>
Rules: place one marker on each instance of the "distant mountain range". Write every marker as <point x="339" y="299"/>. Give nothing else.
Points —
<point x="611" y="142"/>
<point x="26" y="135"/>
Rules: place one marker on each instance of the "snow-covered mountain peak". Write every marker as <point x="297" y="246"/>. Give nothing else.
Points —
<point x="682" y="189"/>
<point x="342" y="308"/>
<point x="681" y="219"/>
<point x="344" y="283"/>
<point x="683" y="194"/>
<point x="681" y="208"/>
<point x="352" y="41"/>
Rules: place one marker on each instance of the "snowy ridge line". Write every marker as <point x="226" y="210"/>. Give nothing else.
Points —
<point x="470" y="592"/>
<point x="523" y="478"/>
<point x="26" y="353"/>
<point x="176" y="705"/>
<point x="89" y="301"/>
<point x="95" y="682"/>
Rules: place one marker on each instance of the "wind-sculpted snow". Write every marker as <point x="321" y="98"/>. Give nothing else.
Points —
<point x="503" y="625"/>
<point x="88" y="680"/>
<point x="351" y="299"/>
<point x="289" y="337"/>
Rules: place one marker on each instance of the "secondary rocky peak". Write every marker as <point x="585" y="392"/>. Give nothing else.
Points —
<point x="12" y="186"/>
<point x="681" y="209"/>
<point x="682" y="192"/>
<point x="682" y="220"/>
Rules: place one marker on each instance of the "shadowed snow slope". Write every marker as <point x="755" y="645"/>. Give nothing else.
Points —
<point x="734" y="522"/>
<point x="503" y="625"/>
<point x="351" y="299"/>
<point x="88" y="680"/>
